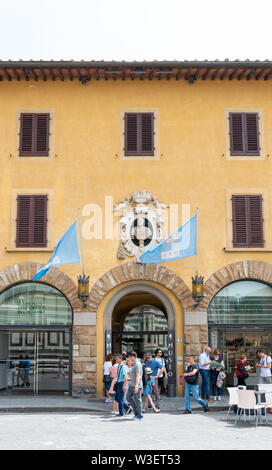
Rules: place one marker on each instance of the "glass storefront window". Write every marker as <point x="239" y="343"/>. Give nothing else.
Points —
<point x="242" y="302"/>
<point x="34" y="303"/>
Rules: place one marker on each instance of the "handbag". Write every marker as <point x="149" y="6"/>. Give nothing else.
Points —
<point x="244" y="375"/>
<point x="106" y="379"/>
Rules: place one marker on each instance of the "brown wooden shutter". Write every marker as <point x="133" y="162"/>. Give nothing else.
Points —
<point x="23" y="221"/>
<point x="39" y="220"/>
<point x="236" y="134"/>
<point x="247" y="221"/>
<point x="147" y="128"/>
<point x="255" y="221"/>
<point x="244" y="134"/>
<point x="131" y="134"/>
<point x="139" y="134"/>
<point x="34" y="134"/>
<point x="252" y="133"/>
<point x="31" y="221"/>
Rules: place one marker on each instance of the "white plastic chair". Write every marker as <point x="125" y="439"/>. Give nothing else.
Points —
<point x="268" y="403"/>
<point x="233" y="398"/>
<point x="247" y="401"/>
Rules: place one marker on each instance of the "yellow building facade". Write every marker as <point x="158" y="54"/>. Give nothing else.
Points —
<point x="86" y="167"/>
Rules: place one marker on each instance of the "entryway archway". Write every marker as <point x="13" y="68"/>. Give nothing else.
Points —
<point x="141" y="317"/>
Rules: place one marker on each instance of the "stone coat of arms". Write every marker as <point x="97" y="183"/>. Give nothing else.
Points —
<point x="140" y="224"/>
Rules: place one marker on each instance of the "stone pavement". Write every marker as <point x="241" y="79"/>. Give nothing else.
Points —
<point x="167" y="431"/>
<point x="62" y="403"/>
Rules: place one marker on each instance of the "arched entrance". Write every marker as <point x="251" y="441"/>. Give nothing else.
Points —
<point x="35" y="339"/>
<point x="36" y="321"/>
<point x="141" y="317"/>
<point x="239" y="298"/>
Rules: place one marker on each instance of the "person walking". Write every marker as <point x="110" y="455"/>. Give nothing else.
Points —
<point x="61" y="368"/>
<point x="26" y="371"/>
<point x="121" y="385"/>
<point x="265" y="366"/>
<point x="156" y="368"/>
<point x="20" y="371"/>
<point x="216" y="358"/>
<point x="148" y="391"/>
<point x="191" y="386"/>
<point x="163" y="373"/>
<point x="204" y="369"/>
<point x="241" y="372"/>
<point x="112" y="392"/>
<point x="107" y="377"/>
<point x="128" y="367"/>
<point x="136" y="385"/>
<point x="11" y="373"/>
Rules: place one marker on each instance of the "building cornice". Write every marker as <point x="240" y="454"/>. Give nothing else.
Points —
<point x="85" y="71"/>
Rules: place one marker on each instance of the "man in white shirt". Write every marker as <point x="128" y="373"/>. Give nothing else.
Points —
<point x="204" y="369"/>
<point x="265" y="366"/>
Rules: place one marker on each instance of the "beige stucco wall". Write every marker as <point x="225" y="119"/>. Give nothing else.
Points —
<point x="87" y="164"/>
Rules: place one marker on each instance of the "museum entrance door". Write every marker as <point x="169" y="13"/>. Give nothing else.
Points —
<point x="35" y="361"/>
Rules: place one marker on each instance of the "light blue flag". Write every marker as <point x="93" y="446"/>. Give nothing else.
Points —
<point x="66" y="252"/>
<point x="180" y="244"/>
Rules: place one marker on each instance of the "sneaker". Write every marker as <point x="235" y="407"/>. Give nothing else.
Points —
<point x="206" y="409"/>
<point x="186" y="412"/>
<point x="157" y="410"/>
<point x="118" y="415"/>
<point x="138" y="418"/>
<point x="107" y="400"/>
<point x="214" y="398"/>
<point x="218" y="398"/>
<point x="143" y="411"/>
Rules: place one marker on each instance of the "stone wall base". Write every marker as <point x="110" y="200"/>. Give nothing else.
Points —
<point x="84" y="391"/>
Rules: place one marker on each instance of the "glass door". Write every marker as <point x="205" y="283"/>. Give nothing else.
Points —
<point x="34" y="361"/>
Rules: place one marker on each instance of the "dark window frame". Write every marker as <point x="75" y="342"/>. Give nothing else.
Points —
<point x="253" y="224"/>
<point x="139" y="134"/>
<point x="35" y="231"/>
<point x="244" y="136"/>
<point x="38" y="134"/>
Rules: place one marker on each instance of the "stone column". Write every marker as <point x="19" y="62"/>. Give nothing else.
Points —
<point x="84" y="354"/>
<point x="195" y="332"/>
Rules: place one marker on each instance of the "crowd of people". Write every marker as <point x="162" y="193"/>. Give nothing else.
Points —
<point x="211" y="368"/>
<point x="133" y="384"/>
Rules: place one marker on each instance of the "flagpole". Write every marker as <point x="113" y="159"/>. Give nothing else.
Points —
<point x="81" y="245"/>
<point x="196" y="271"/>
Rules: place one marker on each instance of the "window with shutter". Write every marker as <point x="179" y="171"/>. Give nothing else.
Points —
<point x="34" y="134"/>
<point x="139" y="134"/>
<point x="244" y="134"/>
<point x="247" y="221"/>
<point x="31" y="221"/>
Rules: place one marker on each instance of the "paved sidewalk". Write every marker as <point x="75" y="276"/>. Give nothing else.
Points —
<point x="47" y="403"/>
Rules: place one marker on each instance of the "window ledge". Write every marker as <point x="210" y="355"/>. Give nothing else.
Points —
<point x="233" y="250"/>
<point x="11" y="249"/>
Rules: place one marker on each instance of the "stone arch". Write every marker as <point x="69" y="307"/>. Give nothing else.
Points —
<point x="137" y="272"/>
<point x="143" y="288"/>
<point x="246" y="269"/>
<point x="22" y="272"/>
